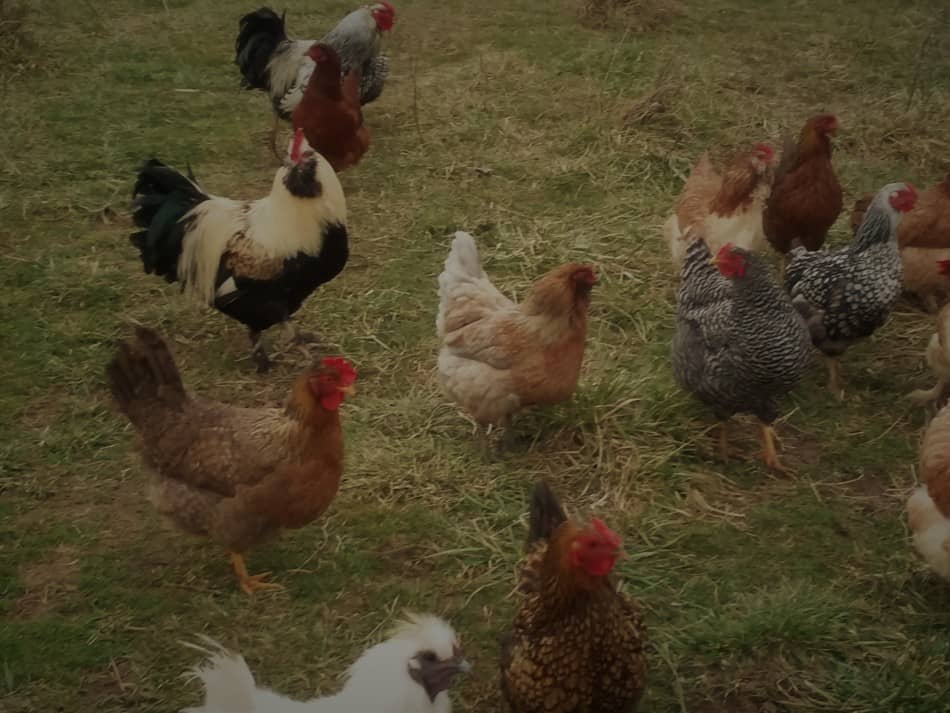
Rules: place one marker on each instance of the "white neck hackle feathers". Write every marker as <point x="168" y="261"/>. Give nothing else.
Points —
<point x="280" y="225"/>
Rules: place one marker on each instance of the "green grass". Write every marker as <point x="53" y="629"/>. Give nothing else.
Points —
<point x="552" y="139"/>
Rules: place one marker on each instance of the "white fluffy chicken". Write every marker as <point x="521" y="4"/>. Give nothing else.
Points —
<point x="411" y="672"/>
<point x="255" y="261"/>
<point x="928" y="509"/>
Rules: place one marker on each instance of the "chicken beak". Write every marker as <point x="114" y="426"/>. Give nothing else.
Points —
<point x="348" y="390"/>
<point x="714" y="260"/>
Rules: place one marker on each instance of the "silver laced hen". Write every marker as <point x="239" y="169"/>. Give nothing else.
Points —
<point x="846" y="294"/>
<point x="739" y="343"/>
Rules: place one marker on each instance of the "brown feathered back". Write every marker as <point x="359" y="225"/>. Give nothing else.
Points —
<point x="739" y="182"/>
<point x="697" y="194"/>
<point x="928" y="224"/>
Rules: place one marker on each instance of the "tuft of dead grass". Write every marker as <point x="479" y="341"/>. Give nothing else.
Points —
<point x="630" y="15"/>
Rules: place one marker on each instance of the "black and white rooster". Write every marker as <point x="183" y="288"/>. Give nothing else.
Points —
<point x="846" y="294"/>
<point x="277" y="64"/>
<point x="256" y="261"/>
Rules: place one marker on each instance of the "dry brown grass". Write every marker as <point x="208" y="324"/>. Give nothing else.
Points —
<point x="630" y="15"/>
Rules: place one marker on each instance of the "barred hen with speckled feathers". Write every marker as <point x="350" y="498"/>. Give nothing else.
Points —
<point x="846" y="294"/>
<point x="739" y="345"/>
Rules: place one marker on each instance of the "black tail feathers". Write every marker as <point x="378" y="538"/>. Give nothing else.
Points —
<point x="546" y="513"/>
<point x="142" y="370"/>
<point x="160" y="199"/>
<point x="259" y="33"/>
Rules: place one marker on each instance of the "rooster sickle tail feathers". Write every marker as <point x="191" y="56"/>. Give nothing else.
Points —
<point x="259" y="34"/>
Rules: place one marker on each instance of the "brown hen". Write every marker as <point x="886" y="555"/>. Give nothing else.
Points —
<point x="806" y="196"/>
<point x="234" y="475"/>
<point x="577" y="644"/>
<point x="329" y="112"/>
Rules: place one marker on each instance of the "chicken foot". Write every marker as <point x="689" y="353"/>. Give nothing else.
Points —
<point x="769" y="451"/>
<point x="250" y="583"/>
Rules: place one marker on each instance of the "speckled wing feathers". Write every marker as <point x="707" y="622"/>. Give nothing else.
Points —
<point x="590" y="660"/>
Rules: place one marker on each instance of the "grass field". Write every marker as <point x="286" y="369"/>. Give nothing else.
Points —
<point x="551" y="139"/>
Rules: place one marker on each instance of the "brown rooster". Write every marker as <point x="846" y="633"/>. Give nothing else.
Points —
<point x="577" y="644"/>
<point x="234" y="475"/>
<point x="724" y="209"/>
<point x="497" y="356"/>
<point x="806" y="196"/>
<point x="329" y="112"/>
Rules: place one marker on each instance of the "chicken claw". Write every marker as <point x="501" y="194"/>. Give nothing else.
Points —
<point x="250" y="583"/>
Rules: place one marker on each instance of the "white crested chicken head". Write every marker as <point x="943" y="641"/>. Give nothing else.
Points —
<point x="411" y="672"/>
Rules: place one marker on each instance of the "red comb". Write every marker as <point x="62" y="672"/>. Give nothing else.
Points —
<point x="342" y="367"/>
<point x="605" y="532"/>
<point x="764" y="149"/>
<point x="295" y="147"/>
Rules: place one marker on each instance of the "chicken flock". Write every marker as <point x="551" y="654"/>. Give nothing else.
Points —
<point x="745" y="333"/>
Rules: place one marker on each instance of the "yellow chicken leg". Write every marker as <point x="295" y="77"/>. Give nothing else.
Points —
<point x="769" y="452"/>
<point x="250" y="583"/>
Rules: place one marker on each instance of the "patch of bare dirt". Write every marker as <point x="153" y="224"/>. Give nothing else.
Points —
<point x="48" y="583"/>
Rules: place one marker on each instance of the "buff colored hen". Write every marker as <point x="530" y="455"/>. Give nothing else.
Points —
<point x="498" y="356"/>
